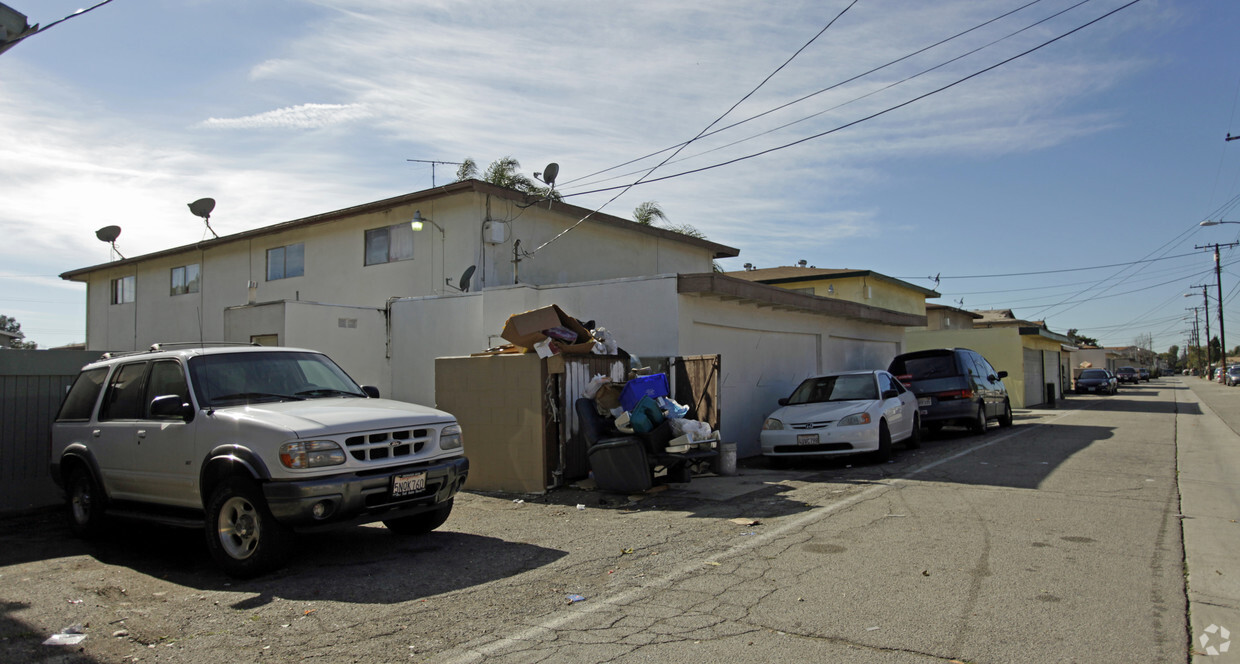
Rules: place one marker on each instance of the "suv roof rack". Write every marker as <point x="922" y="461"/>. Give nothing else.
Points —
<point x="169" y="345"/>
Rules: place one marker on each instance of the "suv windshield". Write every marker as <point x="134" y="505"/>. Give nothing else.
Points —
<point x="835" y="388"/>
<point x="927" y="366"/>
<point x="228" y="379"/>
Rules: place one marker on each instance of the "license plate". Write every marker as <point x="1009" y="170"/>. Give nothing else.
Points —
<point x="404" y="485"/>
<point x="923" y="401"/>
<point x="807" y="439"/>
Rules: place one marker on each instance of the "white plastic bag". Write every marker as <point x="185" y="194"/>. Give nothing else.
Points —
<point x="593" y="386"/>
<point x="694" y="429"/>
<point x="606" y="342"/>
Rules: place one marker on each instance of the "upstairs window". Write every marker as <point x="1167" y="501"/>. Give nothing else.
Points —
<point x="388" y="244"/>
<point x="123" y="290"/>
<point x="184" y="280"/>
<point x="287" y="261"/>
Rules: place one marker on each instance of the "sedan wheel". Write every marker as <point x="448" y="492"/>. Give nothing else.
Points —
<point x="883" y="455"/>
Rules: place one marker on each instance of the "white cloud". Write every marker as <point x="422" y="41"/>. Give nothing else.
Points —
<point x="303" y="116"/>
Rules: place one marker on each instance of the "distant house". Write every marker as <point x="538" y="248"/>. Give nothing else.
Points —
<point x="1085" y="357"/>
<point x="1037" y="360"/>
<point x="862" y="286"/>
<point x="386" y="300"/>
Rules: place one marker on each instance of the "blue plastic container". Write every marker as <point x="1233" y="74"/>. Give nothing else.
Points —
<point x="653" y="386"/>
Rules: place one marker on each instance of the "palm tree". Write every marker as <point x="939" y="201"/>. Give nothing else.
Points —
<point x="646" y="213"/>
<point x="505" y="172"/>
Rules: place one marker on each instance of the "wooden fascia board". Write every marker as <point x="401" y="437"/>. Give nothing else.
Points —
<point x="732" y="288"/>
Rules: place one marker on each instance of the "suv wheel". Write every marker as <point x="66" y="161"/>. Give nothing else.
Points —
<point x="420" y="524"/>
<point x="86" y="503"/>
<point x="242" y="535"/>
<point x="978" y="425"/>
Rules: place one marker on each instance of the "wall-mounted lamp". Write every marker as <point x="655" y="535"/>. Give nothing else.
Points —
<point x="831" y="289"/>
<point x="418" y="219"/>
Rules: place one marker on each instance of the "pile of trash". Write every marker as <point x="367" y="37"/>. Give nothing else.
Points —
<point x="642" y="405"/>
<point x="549" y="331"/>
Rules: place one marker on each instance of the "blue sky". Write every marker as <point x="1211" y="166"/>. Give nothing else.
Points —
<point x="1104" y="147"/>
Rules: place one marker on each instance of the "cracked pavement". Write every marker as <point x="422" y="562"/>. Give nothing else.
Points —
<point x="1057" y="540"/>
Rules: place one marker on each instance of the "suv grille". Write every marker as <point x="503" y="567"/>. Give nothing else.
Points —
<point x="387" y="444"/>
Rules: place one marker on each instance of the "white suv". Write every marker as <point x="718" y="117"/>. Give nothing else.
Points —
<point x="251" y="444"/>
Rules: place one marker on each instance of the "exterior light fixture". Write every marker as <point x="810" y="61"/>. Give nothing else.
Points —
<point x="418" y="220"/>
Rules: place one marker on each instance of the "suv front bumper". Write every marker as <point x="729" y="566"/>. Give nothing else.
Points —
<point x="362" y="497"/>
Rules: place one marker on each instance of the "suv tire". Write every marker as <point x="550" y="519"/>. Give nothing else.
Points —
<point x="420" y="524"/>
<point x="244" y="538"/>
<point x="86" y="503"/>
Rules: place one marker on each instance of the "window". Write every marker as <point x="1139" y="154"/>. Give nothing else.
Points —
<point x="184" y="280"/>
<point x="81" y="398"/>
<point x="392" y="243"/>
<point x="285" y="262"/>
<point x="166" y="378"/>
<point x="123" y="290"/>
<point x="123" y="400"/>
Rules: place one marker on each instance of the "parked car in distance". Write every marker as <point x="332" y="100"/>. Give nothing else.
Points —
<point x="1127" y="375"/>
<point x="1232" y="377"/>
<point x="843" y="413"/>
<point x="1095" y="381"/>
<point x="1218" y="374"/>
<point x="1144" y="374"/>
<point x="954" y="386"/>
<point x="250" y="444"/>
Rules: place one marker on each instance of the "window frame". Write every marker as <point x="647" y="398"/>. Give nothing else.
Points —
<point x="284" y="269"/>
<point x="392" y="249"/>
<point x="187" y="285"/>
<point x="128" y="286"/>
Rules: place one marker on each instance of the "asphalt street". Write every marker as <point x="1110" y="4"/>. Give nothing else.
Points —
<point x="1100" y="531"/>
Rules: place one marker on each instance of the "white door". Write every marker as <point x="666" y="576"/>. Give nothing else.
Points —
<point x="1035" y="385"/>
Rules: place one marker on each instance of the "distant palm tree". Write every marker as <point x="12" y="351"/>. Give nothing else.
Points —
<point x="504" y="172"/>
<point x="646" y="213"/>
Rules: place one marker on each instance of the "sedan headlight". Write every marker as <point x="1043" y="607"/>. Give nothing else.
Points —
<point x="311" y="454"/>
<point x="450" y="437"/>
<point x="855" y="419"/>
<point x="772" y="424"/>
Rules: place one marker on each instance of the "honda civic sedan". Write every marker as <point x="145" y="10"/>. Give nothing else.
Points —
<point x="843" y="413"/>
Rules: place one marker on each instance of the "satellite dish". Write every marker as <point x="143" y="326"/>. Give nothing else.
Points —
<point x="465" y="277"/>
<point x="550" y="172"/>
<point x="108" y="233"/>
<point x="202" y="207"/>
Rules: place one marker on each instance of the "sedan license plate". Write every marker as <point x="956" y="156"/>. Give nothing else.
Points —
<point x="807" y="439"/>
<point x="404" y="485"/>
<point x="923" y="401"/>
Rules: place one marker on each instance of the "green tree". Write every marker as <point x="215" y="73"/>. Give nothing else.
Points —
<point x="1080" y="339"/>
<point x="649" y="212"/>
<point x="11" y="326"/>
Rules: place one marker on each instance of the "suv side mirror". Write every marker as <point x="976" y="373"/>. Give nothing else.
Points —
<point x="371" y="391"/>
<point x="171" y="406"/>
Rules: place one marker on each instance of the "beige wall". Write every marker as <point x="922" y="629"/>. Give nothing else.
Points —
<point x="335" y="272"/>
<point x="1003" y="347"/>
<point x="947" y="319"/>
<point x="866" y="290"/>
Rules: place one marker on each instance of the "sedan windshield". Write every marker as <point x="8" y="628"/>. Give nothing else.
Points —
<point x="851" y="387"/>
<point x="231" y="378"/>
<point x="1096" y="373"/>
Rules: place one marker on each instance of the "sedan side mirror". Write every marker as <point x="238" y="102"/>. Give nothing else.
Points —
<point x="171" y="406"/>
<point x="783" y="401"/>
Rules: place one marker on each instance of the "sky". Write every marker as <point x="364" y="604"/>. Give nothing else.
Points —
<point x="1053" y="157"/>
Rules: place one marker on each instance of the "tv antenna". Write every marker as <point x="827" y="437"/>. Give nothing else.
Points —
<point x="109" y="234"/>
<point x="202" y="208"/>
<point x="432" y="163"/>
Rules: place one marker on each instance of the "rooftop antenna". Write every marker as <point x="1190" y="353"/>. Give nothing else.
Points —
<point x="202" y="208"/>
<point x="432" y="163"/>
<point x="109" y="234"/>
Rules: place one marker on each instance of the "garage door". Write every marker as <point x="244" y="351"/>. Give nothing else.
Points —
<point x="758" y="368"/>
<point x="1035" y="386"/>
<point x="847" y="353"/>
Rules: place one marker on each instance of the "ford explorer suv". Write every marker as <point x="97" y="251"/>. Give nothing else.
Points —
<point x="954" y="386"/>
<point x="251" y="444"/>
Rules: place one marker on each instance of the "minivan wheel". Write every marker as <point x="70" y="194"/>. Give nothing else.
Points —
<point x="1005" y="420"/>
<point x="85" y="502"/>
<point x="244" y="538"/>
<point x="978" y="425"/>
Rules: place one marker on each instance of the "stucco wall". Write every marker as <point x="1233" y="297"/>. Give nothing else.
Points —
<point x="882" y="293"/>
<point x="1001" y="346"/>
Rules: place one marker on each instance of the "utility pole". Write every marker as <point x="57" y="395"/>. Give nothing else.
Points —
<point x="1218" y="279"/>
<point x="1205" y="306"/>
<point x="1196" y="337"/>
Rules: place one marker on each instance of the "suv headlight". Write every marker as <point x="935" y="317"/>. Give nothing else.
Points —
<point x="855" y="419"/>
<point x="311" y="454"/>
<point x="772" y="424"/>
<point x="450" y="437"/>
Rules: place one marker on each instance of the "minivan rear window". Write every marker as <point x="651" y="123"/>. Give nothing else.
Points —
<point x="928" y="366"/>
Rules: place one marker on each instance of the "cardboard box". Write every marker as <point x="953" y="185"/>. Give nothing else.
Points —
<point x="525" y="330"/>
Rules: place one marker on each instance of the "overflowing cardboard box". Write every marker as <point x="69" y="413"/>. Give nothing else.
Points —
<point x="526" y="330"/>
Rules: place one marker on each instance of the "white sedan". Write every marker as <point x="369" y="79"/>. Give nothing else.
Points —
<point x="843" y="413"/>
